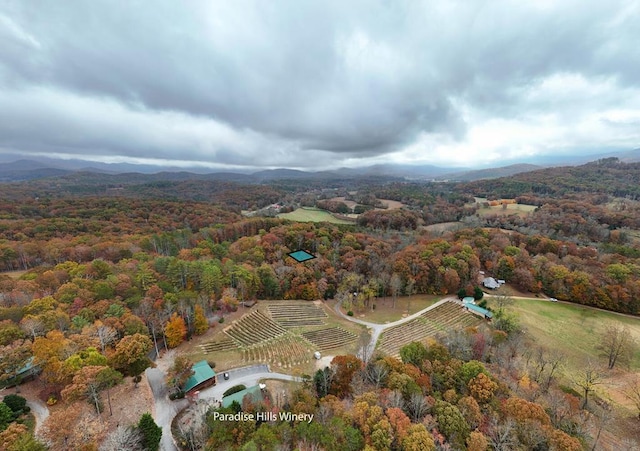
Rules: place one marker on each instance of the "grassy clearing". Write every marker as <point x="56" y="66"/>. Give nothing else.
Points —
<point x="392" y="204"/>
<point x="312" y="215"/>
<point x="405" y="305"/>
<point x="14" y="274"/>
<point x="573" y="328"/>
<point x="519" y="209"/>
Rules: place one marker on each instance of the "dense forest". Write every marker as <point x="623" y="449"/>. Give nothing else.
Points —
<point x="109" y="272"/>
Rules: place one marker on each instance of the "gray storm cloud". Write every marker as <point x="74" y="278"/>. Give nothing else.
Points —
<point x="305" y="84"/>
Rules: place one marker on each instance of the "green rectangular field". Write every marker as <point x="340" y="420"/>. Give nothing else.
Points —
<point x="312" y="215"/>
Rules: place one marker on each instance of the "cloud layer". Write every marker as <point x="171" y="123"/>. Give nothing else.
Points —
<point x="316" y="85"/>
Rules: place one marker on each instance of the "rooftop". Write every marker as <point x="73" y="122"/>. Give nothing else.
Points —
<point x="228" y="400"/>
<point x="301" y="256"/>
<point x="202" y="373"/>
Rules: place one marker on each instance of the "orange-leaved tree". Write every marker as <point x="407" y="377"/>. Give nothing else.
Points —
<point x="175" y="330"/>
<point x="200" y="323"/>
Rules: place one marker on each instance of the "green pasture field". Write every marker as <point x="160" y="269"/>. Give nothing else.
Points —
<point x="312" y="215"/>
<point x="571" y="328"/>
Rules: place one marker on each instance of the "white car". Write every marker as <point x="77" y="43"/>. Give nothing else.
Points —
<point x="553" y="299"/>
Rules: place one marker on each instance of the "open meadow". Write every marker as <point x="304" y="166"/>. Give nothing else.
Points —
<point x="572" y="328"/>
<point x="308" y="214"/>
<point x="575" y="330"/>
<point x="385" y="312"/>
<point x="508" y="208"/>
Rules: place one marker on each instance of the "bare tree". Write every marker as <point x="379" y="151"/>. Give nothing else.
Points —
<point x="632" y="392"/>
<point x="123" y="439"/>
<point x="194" y="435"/>
<point x="502" y="436"/>
<point x="376" y="373"/>
<point x="395" y="399"/>
<point x="617" y="344"/>
<point x="603" y="418"/>
<point x="502" y="301"/>
<point x="417" y="407"/>
<point x="587" y="379"/>
<point x="395" y="284"/>
<point x="105" y="334"/>
<point x="366" y="347"/>
<point x="543" y="365"/>
<point x="32" y="326"/>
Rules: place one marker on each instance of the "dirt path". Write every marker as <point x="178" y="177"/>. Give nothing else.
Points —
<point x="40" y="412"/>
<point x="377" y="329"/>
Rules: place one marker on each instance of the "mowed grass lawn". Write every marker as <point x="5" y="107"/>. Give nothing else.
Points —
<point x="312" y="215"/>
<point x="574" y="329"/>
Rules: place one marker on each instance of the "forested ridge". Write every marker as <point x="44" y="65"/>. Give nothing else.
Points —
<point x="607" y="176"/>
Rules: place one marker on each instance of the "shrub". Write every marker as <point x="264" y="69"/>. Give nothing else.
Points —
<point x="221" y="320"/>
<point x="350" y="313"/>
<point x="176" y="395"/>
<point x="16" y="403"/>
<point x="212" y="364"/>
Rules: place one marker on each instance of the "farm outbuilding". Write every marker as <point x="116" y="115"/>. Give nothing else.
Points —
<point x="491" y="283"/>
<point x="203" y="376"/>
<point x="486" y="314"/>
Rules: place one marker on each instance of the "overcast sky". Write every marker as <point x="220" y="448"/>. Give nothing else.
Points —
<point x="318" y="84"/>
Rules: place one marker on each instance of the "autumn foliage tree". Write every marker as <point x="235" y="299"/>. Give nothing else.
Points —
<point x="175" y="331"/>
<point x="130" y="355"/>
<point x="200" y="324"/>
<point x="344" y="367"/>
<point x="180" y="371"/>
<point x="89" y="381"/>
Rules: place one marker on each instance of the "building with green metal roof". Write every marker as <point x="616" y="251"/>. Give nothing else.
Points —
<point x="486" y="314"/>
<point x="254" y="391"/>
<point x="203" y="376"/>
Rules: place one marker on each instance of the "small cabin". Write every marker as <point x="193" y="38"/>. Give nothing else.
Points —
<point x="203" y="377"/>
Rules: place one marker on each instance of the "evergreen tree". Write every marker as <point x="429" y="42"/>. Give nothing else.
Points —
<point x="151" y="432"/>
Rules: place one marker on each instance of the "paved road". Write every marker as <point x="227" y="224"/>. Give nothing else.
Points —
<point x="247" y="378"/>
<point x="377" y="329"/>
<point x="166" y="410"/>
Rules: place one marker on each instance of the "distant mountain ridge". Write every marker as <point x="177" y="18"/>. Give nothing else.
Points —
<point x="25" y="170"/>
<point x="491" y="173"/>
